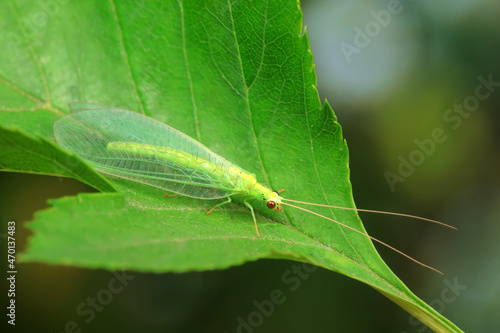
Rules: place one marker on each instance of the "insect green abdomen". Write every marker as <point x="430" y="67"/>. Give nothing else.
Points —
<point x="241" y="182"/>
<point x="165" y="154"/>
<point x="171" y="157"/>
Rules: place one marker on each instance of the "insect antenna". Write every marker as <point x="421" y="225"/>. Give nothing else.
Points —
<point x="362" y="233"/>
<point x="372" y="211"/>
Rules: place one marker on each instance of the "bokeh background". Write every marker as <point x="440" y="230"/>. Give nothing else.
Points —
<point x="390" y="88"/>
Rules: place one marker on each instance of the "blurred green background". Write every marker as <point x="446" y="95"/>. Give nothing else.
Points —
<point x="390" y="85"/>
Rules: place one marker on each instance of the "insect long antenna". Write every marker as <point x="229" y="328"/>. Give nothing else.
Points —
<point x="372" y="211"/>
<point x="362" y="233"/>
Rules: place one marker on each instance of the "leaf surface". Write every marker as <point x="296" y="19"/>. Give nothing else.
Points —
<point x="238" y="77"/>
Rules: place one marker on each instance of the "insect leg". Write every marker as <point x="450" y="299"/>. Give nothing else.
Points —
<point x="253" y="215"/>
<point x="222" y="203"/>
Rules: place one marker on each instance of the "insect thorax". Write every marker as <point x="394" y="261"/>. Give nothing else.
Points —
<point x="247" y="184"/>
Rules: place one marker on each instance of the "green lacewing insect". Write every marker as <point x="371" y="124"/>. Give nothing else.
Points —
<point x="132" y="146"/>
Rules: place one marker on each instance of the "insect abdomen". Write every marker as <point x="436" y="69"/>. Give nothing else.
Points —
<point x="171" y="156"/>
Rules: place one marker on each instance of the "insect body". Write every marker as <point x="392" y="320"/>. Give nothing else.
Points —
<point x="132" y="146"/>
<point x="242" y="183"/>
<point x="128" y="145"/>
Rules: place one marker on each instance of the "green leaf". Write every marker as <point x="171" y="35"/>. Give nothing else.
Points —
<point x="238" y="77"/>
<point x="21" y="152"/>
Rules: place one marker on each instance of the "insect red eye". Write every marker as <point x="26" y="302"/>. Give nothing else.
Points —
<point x="271" y="204"/>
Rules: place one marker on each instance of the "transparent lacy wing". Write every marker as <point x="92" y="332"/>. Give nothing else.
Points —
<point x="91" y="127"/>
